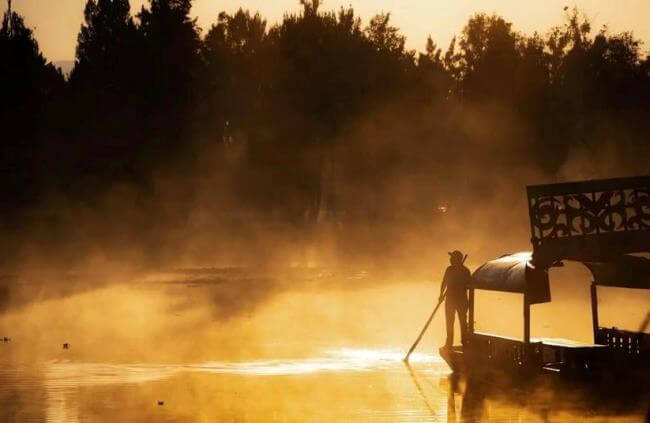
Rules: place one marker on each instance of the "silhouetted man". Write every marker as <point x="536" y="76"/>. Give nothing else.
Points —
<point x="455" y="282"/>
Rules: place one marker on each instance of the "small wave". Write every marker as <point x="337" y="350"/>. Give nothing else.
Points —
<point x="72" y="374"/>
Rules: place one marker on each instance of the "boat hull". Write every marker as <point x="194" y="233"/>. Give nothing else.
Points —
<point x="499" y="358"/>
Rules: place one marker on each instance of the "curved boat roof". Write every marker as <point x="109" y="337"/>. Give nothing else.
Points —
<point x="507" y="273"/>
<point x="514" y="273"/>
<point x="517" y="273"/>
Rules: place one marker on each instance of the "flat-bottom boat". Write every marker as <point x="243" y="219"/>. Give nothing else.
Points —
<point x="602" y="224"/>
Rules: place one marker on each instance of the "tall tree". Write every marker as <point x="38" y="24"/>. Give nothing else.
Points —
<point x="489" y="58"/>
<point x="106" y="84"/>
<point x="234" y="52"/>
<point x="172" y="64"/>
<point x="172" y="50"/>
<point x="107" y="44"/>
<point x="29" y="83"/>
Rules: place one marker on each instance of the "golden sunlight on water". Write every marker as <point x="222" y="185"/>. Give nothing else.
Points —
<point x="196" y="352"/>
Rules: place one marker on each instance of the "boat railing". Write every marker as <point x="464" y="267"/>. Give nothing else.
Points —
<point x="499" y="349"/>
<point x="550" y="354"/>
<point x="627" y="342"/>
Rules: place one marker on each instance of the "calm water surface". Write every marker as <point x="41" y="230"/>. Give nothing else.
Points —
<point x="181" y="353"/>
<point x="341" y="385"/>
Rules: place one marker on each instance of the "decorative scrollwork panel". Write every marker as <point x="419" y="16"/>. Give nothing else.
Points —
<point x="555" y="215"/>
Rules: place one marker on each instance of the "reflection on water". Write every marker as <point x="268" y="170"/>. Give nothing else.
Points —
<point x="157" y="353"/>
<point x="340" y="385"/>
<point x="65" y="374"/>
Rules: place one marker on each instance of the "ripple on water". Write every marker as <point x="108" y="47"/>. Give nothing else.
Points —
<point x="68" y="373"/>
<point x="365" y="385"/>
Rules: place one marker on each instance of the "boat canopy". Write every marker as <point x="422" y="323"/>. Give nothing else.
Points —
<point x="514" y="273"/>
<point x="625" y="272"/>
<point x="517" y="273"/>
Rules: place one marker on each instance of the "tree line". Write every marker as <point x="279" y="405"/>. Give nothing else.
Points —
<point x="320" y="110"/>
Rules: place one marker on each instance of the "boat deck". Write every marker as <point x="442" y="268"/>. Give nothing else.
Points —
<point x="565" y="343"/>
<point x="555" y="342"/>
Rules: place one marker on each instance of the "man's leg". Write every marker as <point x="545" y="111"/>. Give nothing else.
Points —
<point x="450" y="311"/>
<point x="462" y="319"/>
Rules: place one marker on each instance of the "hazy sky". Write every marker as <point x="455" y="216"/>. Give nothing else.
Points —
<point x="57" y="22"/>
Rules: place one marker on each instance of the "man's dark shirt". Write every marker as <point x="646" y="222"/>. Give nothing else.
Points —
<point x="456" y="280"/>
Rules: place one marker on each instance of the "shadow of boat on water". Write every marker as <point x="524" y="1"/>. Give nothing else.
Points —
<point x="479" y="399"/>
<point x="542" y="401"/>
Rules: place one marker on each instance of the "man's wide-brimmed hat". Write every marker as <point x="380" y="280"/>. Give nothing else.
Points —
<point x="456" y="255"/>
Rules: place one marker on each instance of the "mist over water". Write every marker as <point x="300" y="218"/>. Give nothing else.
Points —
<point x="321" y="346"/>
<point x="251" y="222"/>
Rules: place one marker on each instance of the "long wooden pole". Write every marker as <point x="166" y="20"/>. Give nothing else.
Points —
<point x="424" y="329"/>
